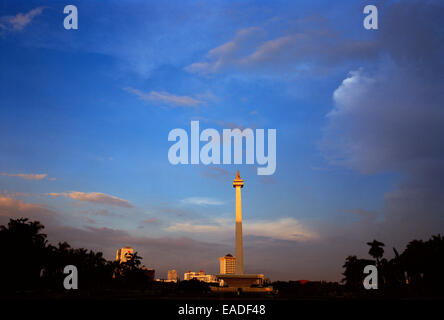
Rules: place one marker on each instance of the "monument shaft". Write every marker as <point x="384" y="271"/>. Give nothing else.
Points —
<point x="238" y="183"/>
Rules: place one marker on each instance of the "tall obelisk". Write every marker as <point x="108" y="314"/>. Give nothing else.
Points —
<point x="238" y="183"/>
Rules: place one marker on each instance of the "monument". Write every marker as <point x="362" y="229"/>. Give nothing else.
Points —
<point x="239" y="281"/>
<point x="238" y="183"/>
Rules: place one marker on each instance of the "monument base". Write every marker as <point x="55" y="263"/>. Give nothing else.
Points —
<point x="241" y="280"/>
<point x="242" y="290"/>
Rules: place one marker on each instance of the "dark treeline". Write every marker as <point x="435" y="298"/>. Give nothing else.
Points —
<point x="417" y="271"/>
<point x="30" y="264"/>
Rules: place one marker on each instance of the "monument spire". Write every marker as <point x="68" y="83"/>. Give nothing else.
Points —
<point x="238" y="183"/>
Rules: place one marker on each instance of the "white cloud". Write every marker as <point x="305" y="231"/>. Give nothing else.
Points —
<point x="201" y="201"/>
<point x="282" y="229"/>
<point x="352" y="88"/>
<point x="166" y="98"/>
<point x="28" y="176"/>
<point x="94" y="197"/>
<point x="190" y="227"/>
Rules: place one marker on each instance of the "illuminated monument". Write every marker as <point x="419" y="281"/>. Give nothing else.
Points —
<point x="239" y="280"/>
<point x="238" y="183"/>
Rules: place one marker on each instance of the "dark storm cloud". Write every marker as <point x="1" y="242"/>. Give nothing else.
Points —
<point x="390" y="118"/>
<point x="412" y="32"/>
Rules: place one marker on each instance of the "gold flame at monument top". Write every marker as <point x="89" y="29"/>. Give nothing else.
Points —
<point x="238" y="181"/>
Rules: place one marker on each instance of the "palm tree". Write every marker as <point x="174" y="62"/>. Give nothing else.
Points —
<point x="376" y="250"/>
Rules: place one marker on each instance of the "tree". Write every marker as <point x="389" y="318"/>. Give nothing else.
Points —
<point x="130" y="274"/>
<point x="376" y="250"/>
<point x="25" y="246"/>
<point x="354" y="272"/>
<point x="424" y="263"/>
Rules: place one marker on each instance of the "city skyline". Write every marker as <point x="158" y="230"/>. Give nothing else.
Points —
<point x="85" y="116"/>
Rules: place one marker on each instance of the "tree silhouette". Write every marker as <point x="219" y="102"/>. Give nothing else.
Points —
<point x="376" y="250"/>
<point x="25" y="247"/>
<point x="417" y="271"/>
<point x="32" y="263"/>
<point x="423" y="262"/>
<point x="353" y="273"/>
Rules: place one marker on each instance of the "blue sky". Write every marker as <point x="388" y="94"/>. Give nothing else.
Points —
<point x="92" y="108"/>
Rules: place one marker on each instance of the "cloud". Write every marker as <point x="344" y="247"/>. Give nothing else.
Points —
<point x="20" y="20"/>
<point x="166" y="98"/>
<point x="101" y="212"/>
<point x="215" y="173"/>
<point x="365" y="216"/>
<point x="151" y="221"/>
<point x="225" y="124"/>
<point x="282" y="229"/>
<point x="299" y="49"/>
<point x="26" y="176"/>
<point x="13" y="208"/>
<point x="308" y="259"/>
<point x="225" y="54"/>
<point x="202" y="201"/>
<point x="389" y="119"/>
<point x="161" y="253"/>
<point x="94" y="197"/>
<point x="267" y="180"/>
<point x="191" y="227"/>
<point x="269" y="49"/>
<point x="177" y="212"/>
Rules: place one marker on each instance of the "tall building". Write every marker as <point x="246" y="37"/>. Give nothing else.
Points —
<point x="227" y="264"/>
<point x="172" y="275"/>
<point x="123" y="254"/>
<point x="238" y="183"/>
<point x="201" y="276"/>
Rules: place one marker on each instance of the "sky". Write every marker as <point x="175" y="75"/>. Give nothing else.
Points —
<point x="359" y="114"/>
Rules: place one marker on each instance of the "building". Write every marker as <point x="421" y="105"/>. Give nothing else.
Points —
<point x="172" y="276"/>
<point x="227" y="264"/>
<point x="242" y="280"/>
<point x="124" y="253"/>
<point x="201" y="276"/>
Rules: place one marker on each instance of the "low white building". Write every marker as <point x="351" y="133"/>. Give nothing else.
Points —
<point x="201" y="276"/>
